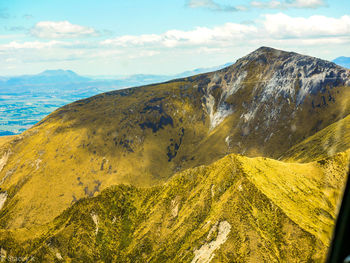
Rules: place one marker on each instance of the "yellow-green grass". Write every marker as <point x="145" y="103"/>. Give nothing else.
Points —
<point x="278" y="212"/>
<point x="6" y="139"/>
<point x="327" y="142"/>
<point x="87" y="146"/>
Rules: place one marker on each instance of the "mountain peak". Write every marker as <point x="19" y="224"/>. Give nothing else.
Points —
<point x="59" y="76"/>
<point x="268" y="54"/>
<point x="291" y="65"/>
<point x="264" y="49"/>
<point x="272" y="79"/>
<point x="57" y="72"/>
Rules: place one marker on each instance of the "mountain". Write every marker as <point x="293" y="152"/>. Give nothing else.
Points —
<point x="177" y="143"/>
<point x="46" y="77"/>
<point x="343" y="61"/>
<point x="144" y="79"/>
<point x="68" y="77"/>
<point x="25" y="100"/>
<point x="201" y="71"/>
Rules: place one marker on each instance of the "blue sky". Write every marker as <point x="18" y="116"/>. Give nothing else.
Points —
<point x="113" y="37"/>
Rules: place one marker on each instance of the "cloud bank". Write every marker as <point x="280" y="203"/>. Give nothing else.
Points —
<point x="315" y="35"/>
<point x="273" y="27"/>
<point x="61" y="29"/>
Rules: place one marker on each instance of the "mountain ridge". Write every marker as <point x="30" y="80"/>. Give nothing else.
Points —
<point x="143" y="136"/>
<point x="212" y="195"/>
<point x="170" y="127"/>
<point x="46" y="77"/>
<point x="33" y="97"/>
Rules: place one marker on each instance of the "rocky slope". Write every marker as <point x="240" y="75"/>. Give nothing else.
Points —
<point x="278" y="98"/>
<point x="267" y="104"/>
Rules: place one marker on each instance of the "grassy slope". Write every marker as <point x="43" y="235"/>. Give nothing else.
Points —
<point x="92" y="144"/>
<point x="127" y="137"/>
<point x="277" y="212"/>
<point x="332" y="139"/>
<point x="6" y="139"/>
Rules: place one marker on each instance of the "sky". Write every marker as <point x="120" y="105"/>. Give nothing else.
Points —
<point x="115" y="37"/>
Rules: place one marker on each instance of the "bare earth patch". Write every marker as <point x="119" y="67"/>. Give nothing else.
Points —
<point x="206" y="253"/>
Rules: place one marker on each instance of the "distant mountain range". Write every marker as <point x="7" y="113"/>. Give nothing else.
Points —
<point x="142" y="79"/>
<point x="64" y="79"/>
<point x="343" y="61"/>
<point x="47" y="77"/>
<point x="24" y="100"/>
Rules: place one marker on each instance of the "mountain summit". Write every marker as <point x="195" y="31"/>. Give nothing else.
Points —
<point x="264" y="105"/>
<point x="47" y="77"/>
<point x="59" y="72"/>
<point x="269" y="91"/>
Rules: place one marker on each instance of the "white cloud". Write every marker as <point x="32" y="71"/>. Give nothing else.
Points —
<point x="306" y="3"/>
<point x="146" y="53"/>
<point x="12" y="36"/>
<point x="30" y="45"/>
<point x="127" y="40"/>
<point x="61" y="29"/>
<point x="220" y="35"/>
<point x="172" y="49"/>
<point x="284" y="26"/>
<point x="272" y="27"/>
<point x="214" y="6"/>
<point x="275" y="4"/>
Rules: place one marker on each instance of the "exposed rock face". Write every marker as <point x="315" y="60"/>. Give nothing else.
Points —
<point x="3" y="197"/>
<point x="3" y="160"/>
<point x="268" y="93"/>
<point x="279" y="75"/>
<point x="96" y="221"/>
<point x="293" y="75"/>
<point x="206" y="253"/>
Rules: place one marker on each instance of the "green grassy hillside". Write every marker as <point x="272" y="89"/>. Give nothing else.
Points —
<point x="237" y="209"/>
